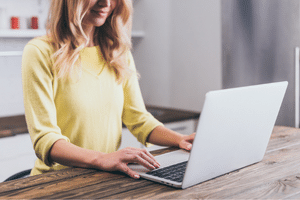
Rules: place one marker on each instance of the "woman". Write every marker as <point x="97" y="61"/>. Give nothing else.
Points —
<point x="80" y="84"/>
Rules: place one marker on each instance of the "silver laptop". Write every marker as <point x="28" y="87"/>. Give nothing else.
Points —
<point x="233" y="132"/>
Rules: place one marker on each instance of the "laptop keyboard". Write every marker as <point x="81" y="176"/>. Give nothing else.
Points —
<point x="173" y="172"/>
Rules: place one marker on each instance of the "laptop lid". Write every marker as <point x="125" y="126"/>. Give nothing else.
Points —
<point x="234" y="130"/>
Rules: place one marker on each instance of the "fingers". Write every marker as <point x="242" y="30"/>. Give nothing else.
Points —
<point x="117" y="161"/>
<point x="142" y="157"/>
<point x="152" y="159"/>
<point x="146" y="162"/>
<point x="191" y="137"/>
<point x="129" y="172"/>
<point x="186" y="143"/>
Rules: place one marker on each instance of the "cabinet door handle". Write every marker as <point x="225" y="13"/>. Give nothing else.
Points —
<point x="297" y="82"/>
<point x="10" y="53"/>
<point x="181" y="128"/>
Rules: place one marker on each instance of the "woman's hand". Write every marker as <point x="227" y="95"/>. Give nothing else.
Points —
<point x="69" y="154"/>
<point x="187" y="141"/>
<point x="117" y="161"/>
<point x="166" y="137"/>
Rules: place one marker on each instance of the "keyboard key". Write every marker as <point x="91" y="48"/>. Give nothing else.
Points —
<point x="173" y="172"/>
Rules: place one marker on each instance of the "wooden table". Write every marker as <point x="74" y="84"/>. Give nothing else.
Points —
<point x="276" y="177"/>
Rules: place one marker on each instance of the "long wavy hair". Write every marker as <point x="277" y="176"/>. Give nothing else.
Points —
<point x="66" y="34"/>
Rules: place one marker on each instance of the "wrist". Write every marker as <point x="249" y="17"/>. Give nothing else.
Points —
<point x="179" y="139"/>
<point x="95" y="160"/>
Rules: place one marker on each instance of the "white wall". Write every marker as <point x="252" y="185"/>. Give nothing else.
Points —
<point x="152" y="53"/>
<point x="195" y="52"/>
<point x="180" y="57"/>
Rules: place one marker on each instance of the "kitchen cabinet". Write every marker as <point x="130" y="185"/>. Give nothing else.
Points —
<point x="16" y="154"/>
<point x="128" y="140"/>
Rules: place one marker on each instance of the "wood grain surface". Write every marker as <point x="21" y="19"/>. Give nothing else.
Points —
<point x="276" y="177"/>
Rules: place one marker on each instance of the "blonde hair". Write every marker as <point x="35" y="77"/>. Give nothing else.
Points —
<point x="64" y="28"/>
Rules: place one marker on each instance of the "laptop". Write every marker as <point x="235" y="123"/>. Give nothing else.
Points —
<point x="233" y="132"/>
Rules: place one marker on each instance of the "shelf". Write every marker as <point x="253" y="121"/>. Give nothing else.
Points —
<point x="35" y="33"/>
<point x="21" y="33"/>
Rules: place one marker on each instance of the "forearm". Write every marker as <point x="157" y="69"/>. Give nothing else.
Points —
<point x="164" y="137"/>
<point x="68" y="154"/>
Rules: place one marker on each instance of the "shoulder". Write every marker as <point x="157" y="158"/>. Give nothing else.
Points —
<point x="130" y="61"/>
<point x="39" y="44"/>
<point x="132" y="74"/>
<point x="37" y="56"/>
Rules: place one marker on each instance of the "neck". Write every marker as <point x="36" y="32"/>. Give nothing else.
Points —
<point x="89" y="31"/>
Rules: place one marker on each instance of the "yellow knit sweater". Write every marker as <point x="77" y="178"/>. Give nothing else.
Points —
<point x="87" y="112"/>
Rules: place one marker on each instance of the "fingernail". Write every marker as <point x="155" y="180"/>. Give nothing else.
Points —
<point x="189" y="146"/>
<point x="136" y="176"/>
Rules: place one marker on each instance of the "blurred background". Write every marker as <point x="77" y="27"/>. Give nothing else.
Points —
<point x="177" y="50"/>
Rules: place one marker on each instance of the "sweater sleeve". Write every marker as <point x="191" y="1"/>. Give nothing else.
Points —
<point x="135" y="116"/>
<point x="40" y="110"/>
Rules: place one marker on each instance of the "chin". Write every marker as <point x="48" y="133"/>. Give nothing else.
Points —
<point x="99" y="23"/>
